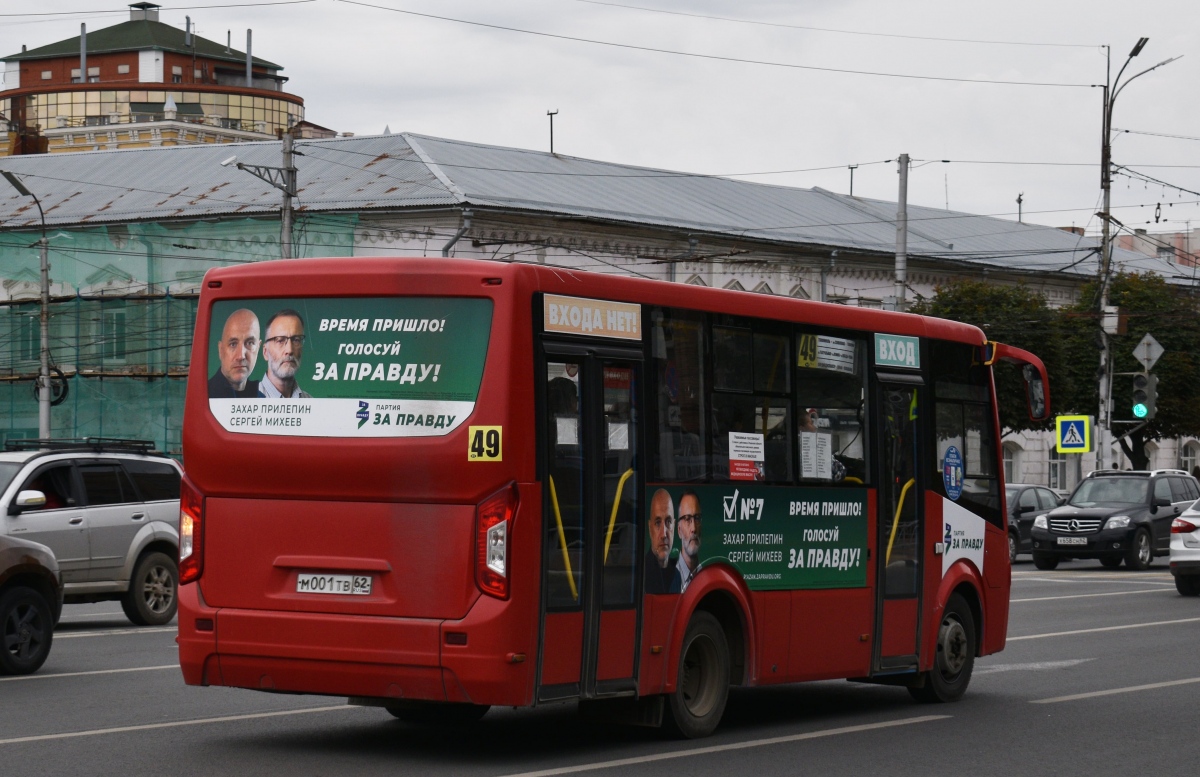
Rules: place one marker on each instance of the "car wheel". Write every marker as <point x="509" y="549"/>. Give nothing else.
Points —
<point x="702" y="685"/>
<point x="1045" y="561"/>
<point x="1013" y="545"/>
<point x="1112" y="562"/>
<point x="1139" y="555"/>
<point x="1188" y="585"/>
<point x="437" y="714"/>
<point x="955" y="659"/>
<point x="151" y="599"/>
<point x="26" y="630"/>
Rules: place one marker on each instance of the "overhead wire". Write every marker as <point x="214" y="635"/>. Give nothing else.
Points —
<point x="715" y="57"/>
<point x="760" y="23"/>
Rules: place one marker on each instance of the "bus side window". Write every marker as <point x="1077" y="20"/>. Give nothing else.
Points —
<point x="677" y="392"/>
<point x="831" y="409"/>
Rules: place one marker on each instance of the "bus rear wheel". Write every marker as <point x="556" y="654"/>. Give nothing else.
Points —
<point x="955" y="659"/>
<point x="437" y="714"/>
<point x="702" y="685"/>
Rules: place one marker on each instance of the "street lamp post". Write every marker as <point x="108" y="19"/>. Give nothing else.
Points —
<point x="282" y="178"/>
<point x="44" y="369"/>
<point x="1111" y="91"/>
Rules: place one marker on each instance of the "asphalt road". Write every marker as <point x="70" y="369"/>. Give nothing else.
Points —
<point x="1101" y="676"/>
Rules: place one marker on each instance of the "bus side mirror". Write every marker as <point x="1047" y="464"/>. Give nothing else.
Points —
<point x="1035" y="394"/>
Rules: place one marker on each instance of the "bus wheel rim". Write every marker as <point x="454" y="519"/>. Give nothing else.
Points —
<point x="697" y="681"/>
<point x="952" y="647"/>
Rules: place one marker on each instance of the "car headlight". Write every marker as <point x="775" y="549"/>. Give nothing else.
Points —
<point x="1117" y="522"/>
<point x="1041" y="523"/>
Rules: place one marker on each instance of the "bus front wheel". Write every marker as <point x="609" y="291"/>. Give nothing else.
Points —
<point x="955" y="658"/>
<point x="702" y="685"/>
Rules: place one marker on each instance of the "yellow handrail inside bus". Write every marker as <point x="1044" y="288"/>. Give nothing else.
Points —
<point x="562" y="541"/>
<point x="612" y="520"/>
<point x="852" y="479"/>
<point x="896" y="520"/>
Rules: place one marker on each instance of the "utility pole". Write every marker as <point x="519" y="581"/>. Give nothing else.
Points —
<point x="1111" y="90"/>
<point x="902" y="235"/>
<point x="44" y="316"/>
<point x="552" y="114"/>
<point x="282" y="178"/>
<point x="289" y="191"/>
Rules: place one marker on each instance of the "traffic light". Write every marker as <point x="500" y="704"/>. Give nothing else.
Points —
<point x="1145" y="395"/>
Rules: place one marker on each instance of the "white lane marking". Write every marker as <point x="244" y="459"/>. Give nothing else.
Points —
<point x="112" y="632"/>
<point x="1034" y="666"/>
<point x="170" y="724"/>
<point x="1112" y="691"/>
<point x="1162" y="590"/>
<point x="1102" y="628"/>
<point x="725" y="748"/>
<point x="84" y="674"/>
<point x="1096" y="579"/>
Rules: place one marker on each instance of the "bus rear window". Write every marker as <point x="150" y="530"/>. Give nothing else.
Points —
<point x="346" y="367"/>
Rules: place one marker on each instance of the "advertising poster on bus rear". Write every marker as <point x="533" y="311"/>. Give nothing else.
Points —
<point x="347" y="367"/>
<point x="778" y="538"/>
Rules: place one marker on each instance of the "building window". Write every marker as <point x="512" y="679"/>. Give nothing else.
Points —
<point x="123" y="70"/>
<point x="29" y="337"/>
<point x="1166" y="252"/>
<point x="1189" y="457"/>
<point x="1012" y="463"/>
<point x="47" y="75"/>
<point x="1058" y="470"/>
<point x="112" y="335"/>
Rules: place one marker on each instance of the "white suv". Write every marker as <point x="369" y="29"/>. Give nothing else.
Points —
<point x="1185" y="551"/>
<point x="109" y="509"/>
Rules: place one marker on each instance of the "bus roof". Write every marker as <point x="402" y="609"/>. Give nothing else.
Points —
<point x="556" y="280"/>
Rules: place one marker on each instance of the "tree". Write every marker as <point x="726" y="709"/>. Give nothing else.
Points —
<point x="1149" y="305"/>
<point x="1017" y="316"/>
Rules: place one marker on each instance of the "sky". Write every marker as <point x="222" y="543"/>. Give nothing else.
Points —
<point x="754" y="89"/>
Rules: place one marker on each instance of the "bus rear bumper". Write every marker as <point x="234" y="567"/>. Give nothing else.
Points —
<point x="338" y="655"/>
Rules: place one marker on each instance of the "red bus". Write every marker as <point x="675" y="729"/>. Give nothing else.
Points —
<point x="436" y="485"/>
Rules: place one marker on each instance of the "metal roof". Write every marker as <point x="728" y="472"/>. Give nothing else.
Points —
<point x="135" y="35"/>
<point x="404" y="171"/>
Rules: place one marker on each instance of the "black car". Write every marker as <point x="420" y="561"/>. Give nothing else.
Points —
<point x="1114" y="516"/>
<point x="31" y="598"/>
<point x="1025" y="503"/>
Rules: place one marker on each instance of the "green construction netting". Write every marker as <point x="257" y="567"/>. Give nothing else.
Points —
<point x="121" y="317"/>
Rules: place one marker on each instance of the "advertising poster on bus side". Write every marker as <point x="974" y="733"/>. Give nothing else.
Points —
<point x="347" y="367"/>
<point x="778" y="538"/>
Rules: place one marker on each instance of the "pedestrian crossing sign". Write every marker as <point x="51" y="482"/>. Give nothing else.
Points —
<point x="1074" y="433"/>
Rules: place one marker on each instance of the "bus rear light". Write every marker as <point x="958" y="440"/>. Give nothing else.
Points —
<point x="493" y="521"/>
<point x="1180" y="526"/>
<point x="191" y="533"/>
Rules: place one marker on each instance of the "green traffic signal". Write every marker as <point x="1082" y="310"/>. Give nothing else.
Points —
<point x="1145" y="395"/>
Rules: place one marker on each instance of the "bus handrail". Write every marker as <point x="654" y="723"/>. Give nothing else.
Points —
<point x="612" y="520"/>
<point x="562" y="541"/>
<point x="896" y="521"/>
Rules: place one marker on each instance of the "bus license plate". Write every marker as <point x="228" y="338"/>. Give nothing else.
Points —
<point x="1072" y="540"/>
<point x="346" y="585"/>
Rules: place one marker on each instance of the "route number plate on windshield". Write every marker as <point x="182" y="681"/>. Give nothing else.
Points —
<point x="346" y="585"/>
<point x="1072" y="540"/>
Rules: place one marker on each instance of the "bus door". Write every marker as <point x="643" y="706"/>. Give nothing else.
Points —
<point x="899" y="557"/>
<point x="591" y="482"/>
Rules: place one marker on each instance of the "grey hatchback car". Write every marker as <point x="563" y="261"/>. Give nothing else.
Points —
<point x="108" y="509"/>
